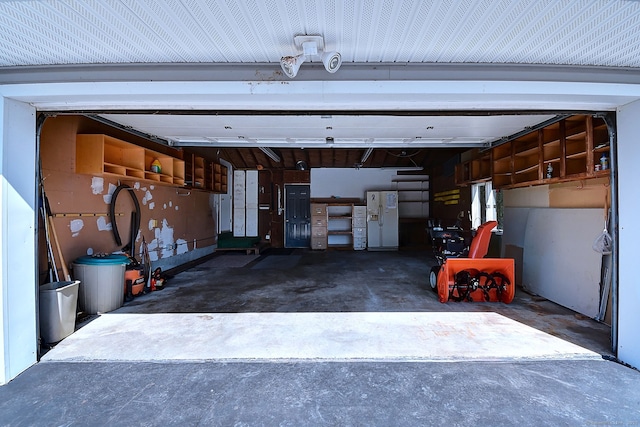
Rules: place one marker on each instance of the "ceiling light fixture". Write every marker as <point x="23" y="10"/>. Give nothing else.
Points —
<point x="332" y="61"/>
<point x="269" y="152"/>
<point x="402" y="168"/>
<point x="366" y="154"/>
<point x="312" y="46"/>
<point x="291" y="64"/>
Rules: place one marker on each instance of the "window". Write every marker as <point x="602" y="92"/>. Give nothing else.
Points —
<point x="483" y="204"/>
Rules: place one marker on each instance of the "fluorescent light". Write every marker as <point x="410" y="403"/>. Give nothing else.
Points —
<point x="403" y="168"/>
<point x="269" y="152"/>
<point x="366" y="155"/>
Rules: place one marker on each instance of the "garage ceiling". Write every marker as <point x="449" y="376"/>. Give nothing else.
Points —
<point x="565" y="32"/>
<point x="395" y="41"/>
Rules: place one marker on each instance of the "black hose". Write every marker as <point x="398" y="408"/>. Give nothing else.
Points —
<point x="135" y="220"/>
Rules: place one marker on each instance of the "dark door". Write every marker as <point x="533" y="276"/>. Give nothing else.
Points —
<point x="297" y="220"/>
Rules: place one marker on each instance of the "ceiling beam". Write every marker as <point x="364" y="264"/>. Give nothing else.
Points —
<point x="206" y="72"/>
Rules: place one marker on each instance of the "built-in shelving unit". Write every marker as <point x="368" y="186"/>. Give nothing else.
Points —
<point x="99" y="154"/>
<point x="476" y="170"/>
<point x="576" y="147"/>
<point x="413" y="198"/>
<point x="205" y="175"/>
<point x="219" y="175"/>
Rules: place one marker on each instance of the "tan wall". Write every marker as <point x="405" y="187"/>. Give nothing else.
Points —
<point x="575" y="194"/>
<point x="529" y="197"/>
<point x="579" y="194"/>
<point x="169" y="215"/>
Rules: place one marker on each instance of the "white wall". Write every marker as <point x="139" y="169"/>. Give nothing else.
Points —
<point x="558" y="260"/>
<point x="350" y="182"/>
<point x="629" y="237"/>
<point x="18" y="337"/>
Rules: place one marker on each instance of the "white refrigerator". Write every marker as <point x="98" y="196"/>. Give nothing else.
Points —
<point x="382" y="220"/>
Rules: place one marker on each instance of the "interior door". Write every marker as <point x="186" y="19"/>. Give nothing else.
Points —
<point x="297" y="232"/>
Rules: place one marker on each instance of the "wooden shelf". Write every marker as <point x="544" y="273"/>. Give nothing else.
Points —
<point x="526" y="169"/>
<point x="572" y="146"/>
<point x="340" y="246"/>
<point x="219" y="178"/>
<point x="472" y="171"/>
<point x="99" y="154"/>
<point x="332" y="224"/>
<point x="204" y="175"/>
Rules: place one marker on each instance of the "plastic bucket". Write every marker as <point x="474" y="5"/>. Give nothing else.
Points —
<point x="101" y="282"/>
<point x="58" y="302"/>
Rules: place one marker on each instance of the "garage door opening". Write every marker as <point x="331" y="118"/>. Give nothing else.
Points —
<point x="187" y="205"/>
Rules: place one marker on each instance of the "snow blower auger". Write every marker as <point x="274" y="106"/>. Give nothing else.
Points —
<point x="477" y="279"/>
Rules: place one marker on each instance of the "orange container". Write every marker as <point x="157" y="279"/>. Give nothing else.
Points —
<point x="504" y="268"/>
<point x="137" y="280"/>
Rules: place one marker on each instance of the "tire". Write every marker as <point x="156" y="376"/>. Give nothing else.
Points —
<point x="433" y="278"/>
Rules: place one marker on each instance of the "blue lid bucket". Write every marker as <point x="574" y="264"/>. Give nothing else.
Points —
<point x="103" y="260"/>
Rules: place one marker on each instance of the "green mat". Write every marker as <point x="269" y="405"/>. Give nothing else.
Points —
<point x="226" y="240"/>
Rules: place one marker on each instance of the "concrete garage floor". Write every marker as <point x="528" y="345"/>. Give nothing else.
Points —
<point x="530" y="363"/>
<point x="346" y="281"/>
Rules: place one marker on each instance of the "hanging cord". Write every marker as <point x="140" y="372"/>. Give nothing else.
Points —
<point x="135" y="220"/>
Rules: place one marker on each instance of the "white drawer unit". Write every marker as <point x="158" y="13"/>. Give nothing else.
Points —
<point x="359" y="222"/>
<point x="360" y="232"/>
<point x="359" y="226"/>
<point x="359" y="243"/>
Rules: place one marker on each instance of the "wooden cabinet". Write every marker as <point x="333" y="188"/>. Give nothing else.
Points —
<point x="219" y="178"/>
<point x="99" y="154"/>
<point x="573" y="148"/>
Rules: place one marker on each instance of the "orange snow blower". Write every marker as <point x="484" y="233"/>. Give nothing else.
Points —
<point x="477" y="278"/>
